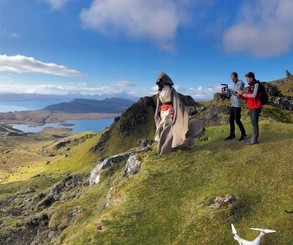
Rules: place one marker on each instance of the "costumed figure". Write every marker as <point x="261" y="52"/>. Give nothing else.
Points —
<point x="173" y="128"/>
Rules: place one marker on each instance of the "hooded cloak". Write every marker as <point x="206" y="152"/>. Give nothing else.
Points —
<point x="176" y="133"/>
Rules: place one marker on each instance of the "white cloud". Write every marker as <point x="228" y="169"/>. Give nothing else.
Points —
<point x="23" y="64"/>
<point x="123" y="84"/>
<point x="7" y="85"/>
<point x="263" y="28"/>
<point x="57" y="4"/>
<point x="157" y="20"/>
<point x="198" y="93"/>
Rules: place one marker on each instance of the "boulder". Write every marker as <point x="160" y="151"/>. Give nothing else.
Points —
<point x="283" y="102"/>
<point x="133" y="166"/>
<point x="108" y="162"/>
<point x="145" y="143"/>
<point x="223" y="201"/>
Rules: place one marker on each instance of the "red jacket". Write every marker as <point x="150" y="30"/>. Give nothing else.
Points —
<point x="252" y="96"/>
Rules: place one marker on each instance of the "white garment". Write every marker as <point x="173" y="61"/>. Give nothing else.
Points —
<point x="165" y="95"/>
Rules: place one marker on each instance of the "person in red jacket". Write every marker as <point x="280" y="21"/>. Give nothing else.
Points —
<point x="252" y="97"/>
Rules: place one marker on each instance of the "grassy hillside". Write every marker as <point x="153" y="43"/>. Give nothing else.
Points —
<point x="168" y="201"/>
<point x="285" y="85"/>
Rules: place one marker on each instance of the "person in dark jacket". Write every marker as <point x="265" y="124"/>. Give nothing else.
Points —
<point x="254" y="104"/>
<point x="235" y="110"/>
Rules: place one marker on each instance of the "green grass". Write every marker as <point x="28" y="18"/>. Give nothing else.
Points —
<point x="79" y="160"/>
<point x="286" y="88"/>
<point x="167" y="202"/>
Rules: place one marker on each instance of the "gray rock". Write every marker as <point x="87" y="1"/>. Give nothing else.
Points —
<point x="289" y="75"/>
<point x="283" y="102"/>
<point x="223" y="201"/>
<point x="133" y="166"/>
<point x="29" y="190"/>
<point x="108" y="162"/>
<point x="145" y="143"/>
<point x="272" y="90"/>
<point x="192" y="110"/>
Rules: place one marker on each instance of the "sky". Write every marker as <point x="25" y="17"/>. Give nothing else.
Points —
<point x="121" y="46"/>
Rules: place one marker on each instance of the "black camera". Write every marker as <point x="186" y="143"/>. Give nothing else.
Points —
<point x="225" y="91"/>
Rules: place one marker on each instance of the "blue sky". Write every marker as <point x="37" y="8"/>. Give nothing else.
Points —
<point x="120" y="46"/>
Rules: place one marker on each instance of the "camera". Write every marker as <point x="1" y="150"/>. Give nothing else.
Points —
<point x="225" y="91"/>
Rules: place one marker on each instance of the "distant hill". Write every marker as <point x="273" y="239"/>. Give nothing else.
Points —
<point x="55" y="98"/>
<point x="109" y="105"/>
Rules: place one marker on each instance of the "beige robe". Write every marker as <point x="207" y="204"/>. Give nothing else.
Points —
<point x="176" y="133"/>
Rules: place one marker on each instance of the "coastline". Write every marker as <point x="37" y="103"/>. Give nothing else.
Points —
<point x="42" y="117"/>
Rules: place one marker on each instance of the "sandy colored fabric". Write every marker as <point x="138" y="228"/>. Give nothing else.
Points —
<point x="175" y="133"/>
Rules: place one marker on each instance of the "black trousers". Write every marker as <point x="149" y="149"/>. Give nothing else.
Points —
<point x="235" y="115"/>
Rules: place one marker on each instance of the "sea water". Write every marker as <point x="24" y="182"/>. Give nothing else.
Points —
<point x="77" y="126"/>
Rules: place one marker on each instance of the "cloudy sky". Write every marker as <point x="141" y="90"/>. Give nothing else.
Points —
<point x="120" y="46"/>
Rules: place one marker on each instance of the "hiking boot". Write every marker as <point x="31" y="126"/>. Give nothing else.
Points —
<point x="253" y="142"/>
<point x="243" y="137"/>
<point x="248" y="139"/>
<point x="230" y="137"/>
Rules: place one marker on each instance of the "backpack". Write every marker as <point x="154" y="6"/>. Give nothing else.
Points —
<point x="262" y="93"/>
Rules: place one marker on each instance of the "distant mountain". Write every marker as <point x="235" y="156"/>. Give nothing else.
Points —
<point x="55" y="98"/>
<point x="109" y="105"/>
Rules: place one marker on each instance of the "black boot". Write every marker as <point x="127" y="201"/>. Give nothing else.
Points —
<point x="230" y="137"/>
<point x="243" y="137"/>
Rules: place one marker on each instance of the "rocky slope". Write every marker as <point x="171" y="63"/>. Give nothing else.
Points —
<point x="134" y="124"/>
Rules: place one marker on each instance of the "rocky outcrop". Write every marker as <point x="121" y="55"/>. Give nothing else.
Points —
<point x="35" y="213"/>
<point x="223" y="201"/>
<point x="111" y="161"/>
<point x="272" y="90"/>
<point x="133" y="166"/>
<point x="283" y="102"/>
<point x="57" y="191"/>
<point x="135" y="115"/>
<point x="289" y="75"/>
<point x="137" y="120"/>
<point x="277" y="99"/>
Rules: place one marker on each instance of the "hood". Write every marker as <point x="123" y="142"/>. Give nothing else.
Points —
<point x="164" y="79"/>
